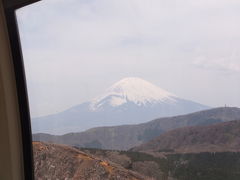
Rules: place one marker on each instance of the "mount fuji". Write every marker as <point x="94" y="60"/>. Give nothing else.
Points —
<point x="129" y="101"/>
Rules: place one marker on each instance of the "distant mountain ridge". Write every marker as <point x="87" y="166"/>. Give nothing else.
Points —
<point x="127" y="136"/>
<point x="220" y="137"/>
<point x="129" y="101"/>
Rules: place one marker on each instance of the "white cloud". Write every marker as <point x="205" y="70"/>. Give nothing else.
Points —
<point x="230" y="63"/>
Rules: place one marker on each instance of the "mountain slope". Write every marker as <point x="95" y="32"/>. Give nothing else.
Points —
<point x="177" y="166"/>
<point x="127" y="136"/>
<point x="220" y="137"/>
<point x="129" y="101"/>
<point x="53" y="161"/>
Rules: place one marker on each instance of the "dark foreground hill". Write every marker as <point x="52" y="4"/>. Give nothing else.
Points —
<point x="127" y="136"/>
<point x="61" y="162"/>
<point x="220" y="137"/>
<point x="172" y="166"/>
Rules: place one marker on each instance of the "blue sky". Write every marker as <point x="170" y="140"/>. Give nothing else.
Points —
<point x="74" y="49"/>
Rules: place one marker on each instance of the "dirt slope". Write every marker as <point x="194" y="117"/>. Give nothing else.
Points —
<point x="62" y="162"/>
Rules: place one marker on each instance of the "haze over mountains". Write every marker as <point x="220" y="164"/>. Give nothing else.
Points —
<point x="196" y="145"/>
<point x="129" y="101"/>
<point x="127" y="136"/>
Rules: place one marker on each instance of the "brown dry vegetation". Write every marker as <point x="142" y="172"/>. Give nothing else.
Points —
<point x="52" y="161"/>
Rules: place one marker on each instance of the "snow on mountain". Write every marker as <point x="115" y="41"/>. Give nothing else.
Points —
<point x="129" y="101"/>
<point x="135" y="90"/>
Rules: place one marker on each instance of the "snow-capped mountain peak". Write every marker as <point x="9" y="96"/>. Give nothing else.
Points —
<point x="129" y="101"/>
<point x="135" y="90"/>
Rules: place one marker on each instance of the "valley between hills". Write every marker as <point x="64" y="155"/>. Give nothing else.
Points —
<point x="199" y="146"/>
<point x="125" y="137"/>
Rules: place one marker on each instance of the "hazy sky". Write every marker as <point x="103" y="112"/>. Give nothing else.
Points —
<point x="75" y="49"/>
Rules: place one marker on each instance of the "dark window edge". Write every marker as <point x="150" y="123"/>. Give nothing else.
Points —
<point x="22" y="95"/>
<point x="16" y="4"/>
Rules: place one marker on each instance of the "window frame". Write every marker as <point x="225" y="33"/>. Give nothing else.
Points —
<point x="10" y="7"/>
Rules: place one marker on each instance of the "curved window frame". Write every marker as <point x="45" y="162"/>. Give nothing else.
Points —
<point x="10" y="7"/>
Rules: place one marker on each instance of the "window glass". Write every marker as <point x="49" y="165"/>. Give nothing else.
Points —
<point x="133" y="89"/>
